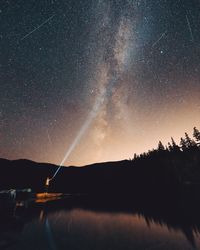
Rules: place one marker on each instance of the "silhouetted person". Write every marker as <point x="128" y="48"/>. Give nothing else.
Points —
<point x="47" y="185"/>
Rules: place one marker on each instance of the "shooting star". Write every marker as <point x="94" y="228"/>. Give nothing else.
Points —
<point x="38" y="27"/>
<point x="49" y="138"/>
<point x="158" y="40"/>
<point x="189" y="27"/>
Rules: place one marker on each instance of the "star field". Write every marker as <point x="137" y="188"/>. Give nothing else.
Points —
<point x="139" y="59"/>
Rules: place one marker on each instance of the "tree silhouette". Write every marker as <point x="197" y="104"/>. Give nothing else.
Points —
<point x="160" y="146"/>
<point x="135" y="156"/>
<point x="196" y="134"/>
<point x="175" y="147"/>
<point x="189" y="142"/>
<point x="183" y="144"/>
<point x="170" y="147"/>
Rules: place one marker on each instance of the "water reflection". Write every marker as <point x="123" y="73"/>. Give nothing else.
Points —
<point x="57" y="226"/>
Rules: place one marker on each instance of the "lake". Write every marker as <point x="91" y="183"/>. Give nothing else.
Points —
<point x="62" y="227"/>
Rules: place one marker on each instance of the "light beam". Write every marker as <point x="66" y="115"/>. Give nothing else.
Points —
<point x="115" y="67"/>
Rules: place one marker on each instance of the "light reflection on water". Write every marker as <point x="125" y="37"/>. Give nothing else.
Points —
<point x="90" y="230"/>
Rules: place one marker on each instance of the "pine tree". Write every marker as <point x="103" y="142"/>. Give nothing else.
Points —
<point x="196" y="134"/>
<point x="175" y="147"/>
<point x="170" y="147"/>
<point x="160" y="146"/>
<point x="183" y="144"/>
<point x="189" y="142"/>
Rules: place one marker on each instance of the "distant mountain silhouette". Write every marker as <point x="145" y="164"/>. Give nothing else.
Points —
<point x="25" y="173"/>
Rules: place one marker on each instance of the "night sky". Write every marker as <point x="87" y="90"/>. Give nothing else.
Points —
<point x="104" y="79"/>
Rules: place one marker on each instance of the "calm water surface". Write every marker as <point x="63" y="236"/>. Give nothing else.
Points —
<point x="86" y="229"/>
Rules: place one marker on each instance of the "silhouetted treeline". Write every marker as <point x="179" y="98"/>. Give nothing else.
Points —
<point x="161" y="172"/>
<point x="181" y="161"/>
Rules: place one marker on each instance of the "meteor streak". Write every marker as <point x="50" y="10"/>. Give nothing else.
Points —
<point x="49" y="138"/>
<point x="189" y="27"/>
<point x="46" y="21"/>
<point x="157" y="41"/>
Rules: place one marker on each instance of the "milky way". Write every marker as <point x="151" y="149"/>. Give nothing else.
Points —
<point x="88" y="81"/>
